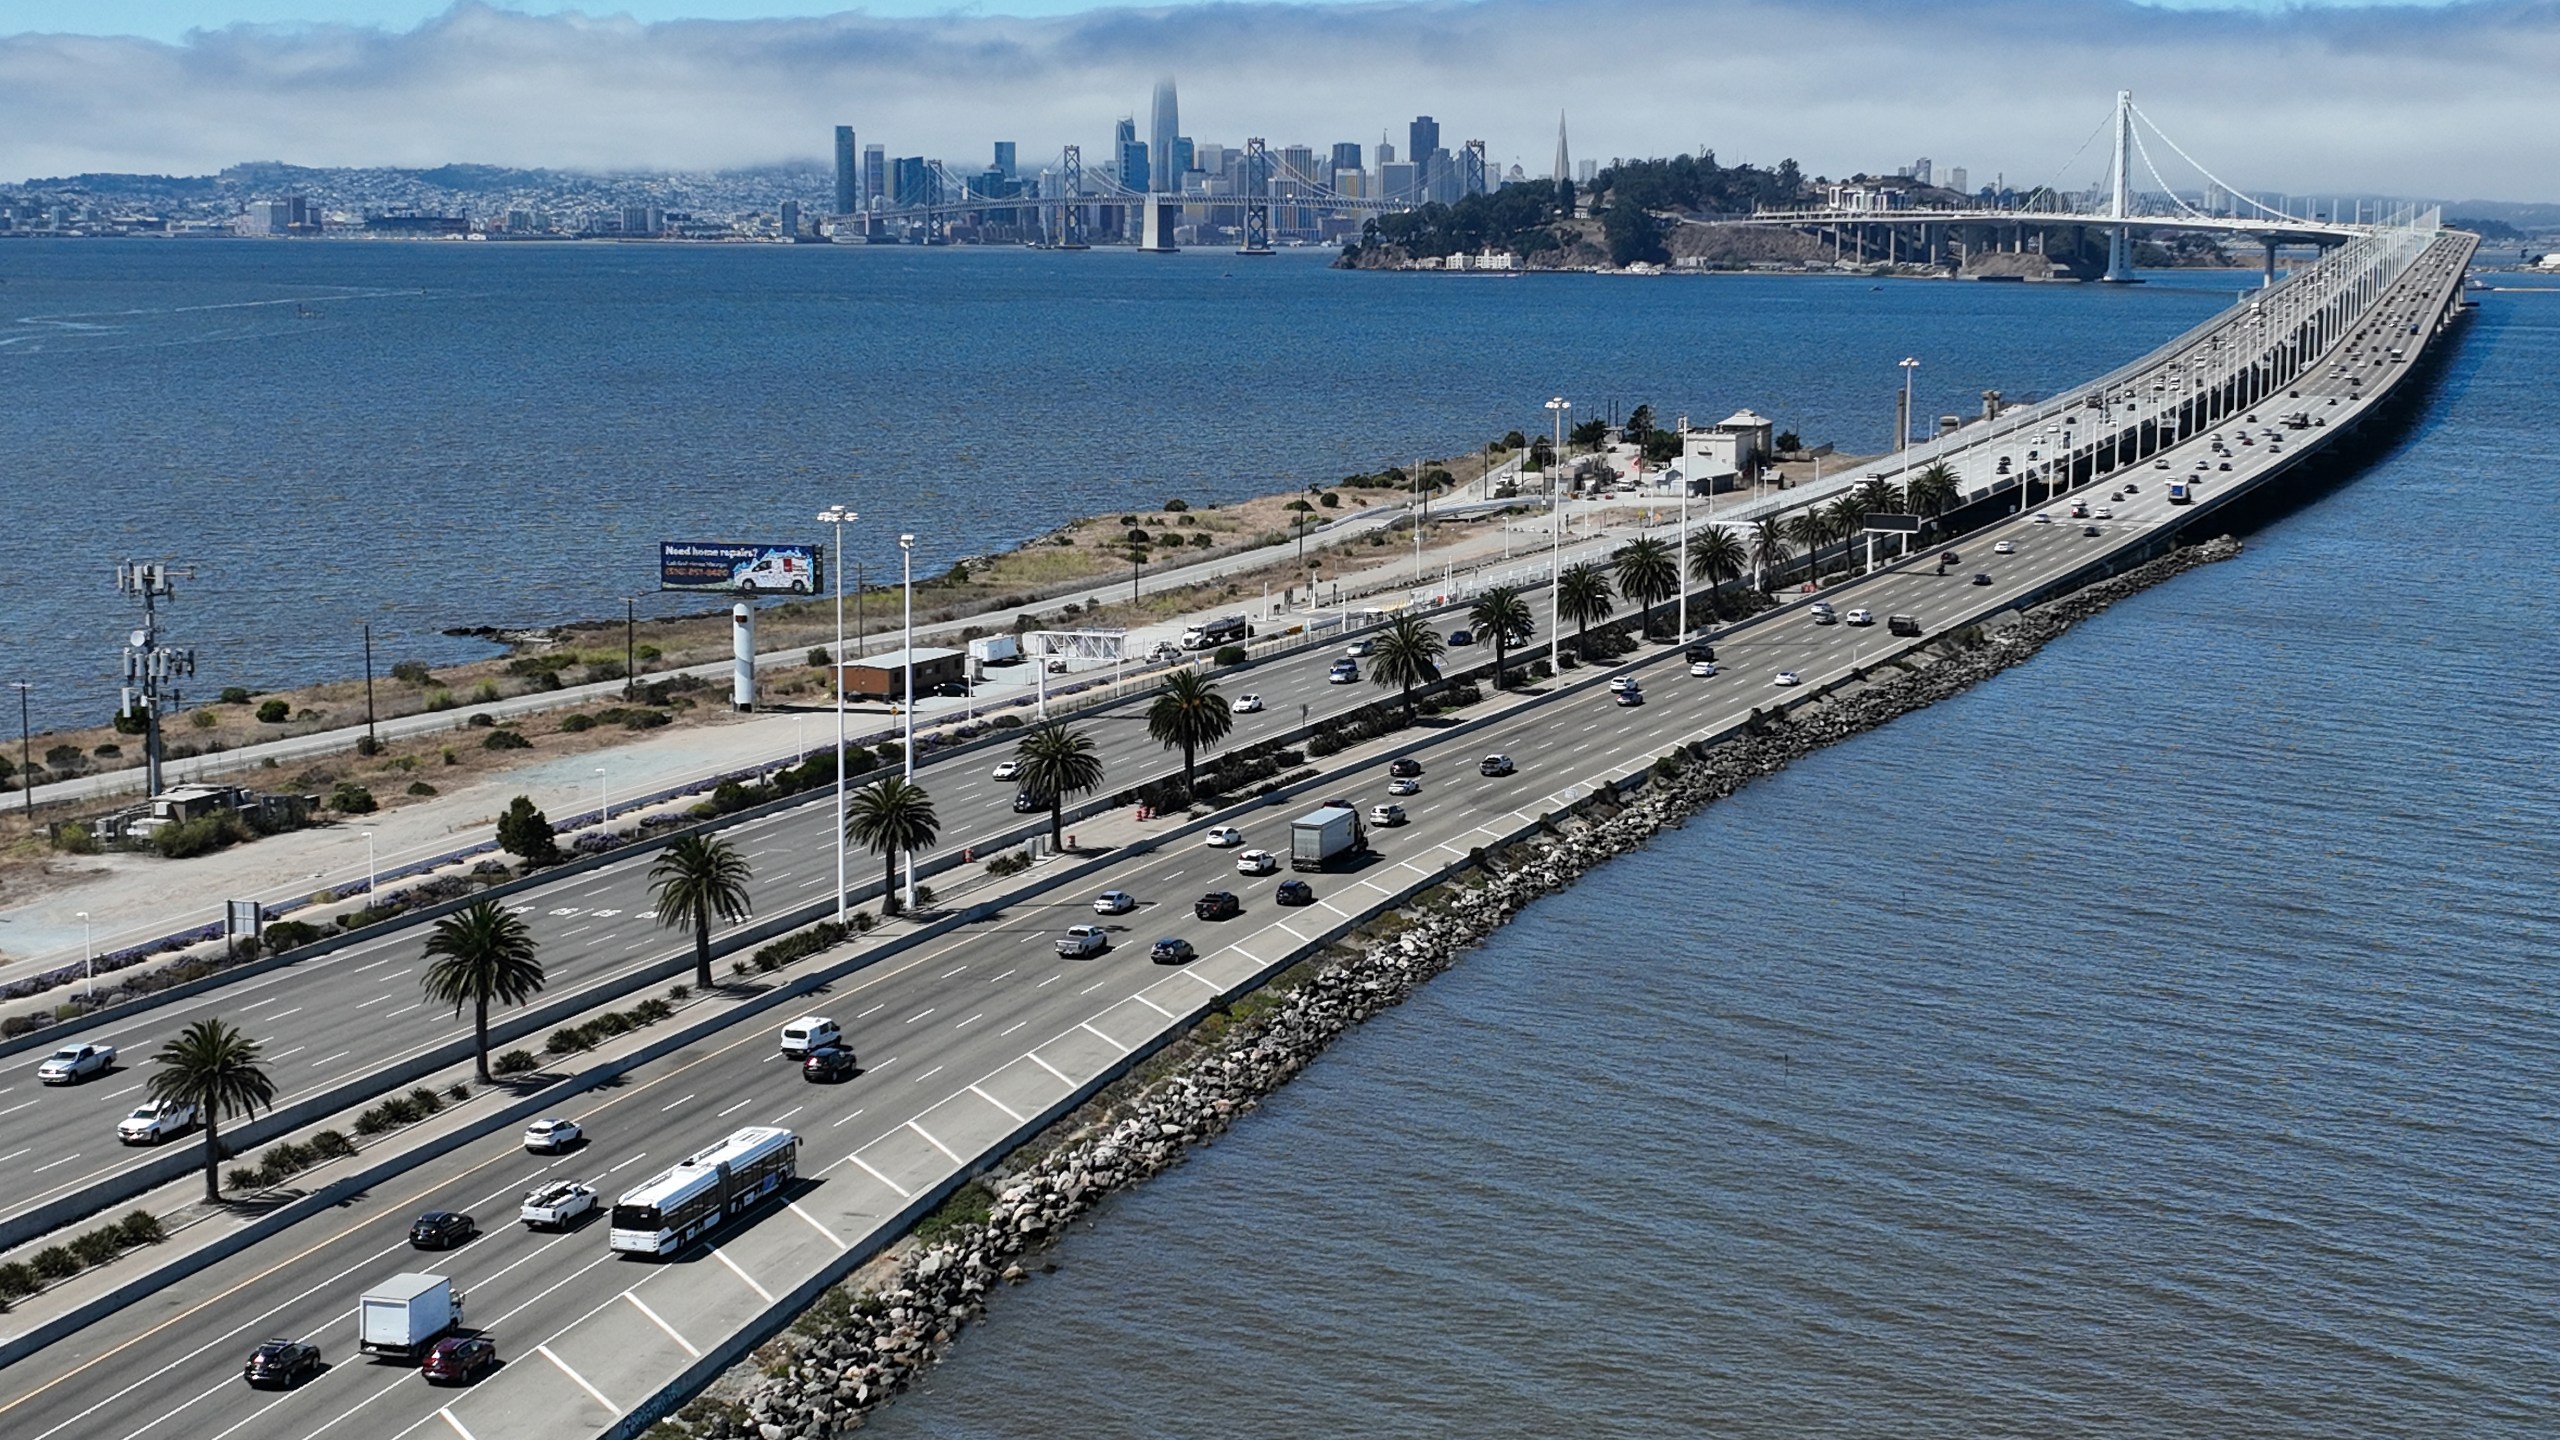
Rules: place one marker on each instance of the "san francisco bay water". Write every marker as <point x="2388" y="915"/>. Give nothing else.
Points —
<point x="424" y="436"/>
<point x="2155" y="1041"/>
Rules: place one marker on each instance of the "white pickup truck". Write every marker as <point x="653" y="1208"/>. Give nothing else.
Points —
<point x="153" y="1121"/>
<point x="74" y="1062"/>
<point x="556" y="1205"/>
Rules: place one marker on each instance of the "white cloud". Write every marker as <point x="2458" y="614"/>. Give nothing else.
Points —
<point x="2451" y="100"/>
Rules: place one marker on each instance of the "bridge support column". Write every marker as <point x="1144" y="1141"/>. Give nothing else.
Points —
<point x="2120" y="258"/>
<point x="1155" y="232"/>
<point x="2270" y="279"/>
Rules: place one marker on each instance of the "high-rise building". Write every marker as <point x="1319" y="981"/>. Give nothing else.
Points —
<point x="1585" y="171"/>
<point x="914" y="182"/>
<point x="1346" y="155"/>
<point x="1004" y="158"/>
<point x="642" y="220"/>
<point x="1184" y="162"/>
<point x="1920" y="170"/>
<point x="1440" y="177"/>
<point x="848" y="173"/>
<point x="791" y="218"/>
<point x="1955" y="179"/>
<point x="1396" y="181"/>
<point x="1130" y="154"/>
<point x="1423" y="137"/>
<point x="1162" y="136"/>
<point x="875" y="176"/>
<point x="1351" y="184"/>
<point x="1564" y="160"/>
<point x="1386" y="151"/>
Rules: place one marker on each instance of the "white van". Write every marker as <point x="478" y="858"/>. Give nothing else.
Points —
<point x="810" y="1032"/>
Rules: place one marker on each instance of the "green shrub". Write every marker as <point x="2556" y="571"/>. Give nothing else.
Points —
<point x="372" y="1122"/>
<point x="442" y="700"/>
<point x="457" y="1091"/>
<point x="567" y="1040"/>
<point x="481" y="720"/>
<point x="75" y="839"/>
<point x="572" y="724"/>
<point x="1229" y="655"/>
<point x="97" y="1247"/>
<point x="400" y="1110"/>
<point x="241" y="1178"/>
<point x="427" y="1101"/>
<point x="646" y="719"/>
<point x="18" y="1280"/>
<point x="413" y="672"/>
<point x="484" y="693"/>
<point x="330" y="1145"/>
<point x="506" y="740"/>
<point x="286" y="934"/>
<point x="235" y="694"/>
<point x="273" y="712"/>
<point x="421" y="787"/>
<point x="649" y="654"/>
<point x="350" y="798"/>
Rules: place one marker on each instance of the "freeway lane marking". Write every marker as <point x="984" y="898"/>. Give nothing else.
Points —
<point x="734" y="1109"/>
<point x="1018" y="1024"/>
<point x="965" y="1024"/>
<point x="634" y="1160"/>
<point x="910" y="1020"/>
<point x="1105" y="1039"/>
<point x="1150" y="1004"/>
<point x="21" y="1105"/>
<point x="1034" y="1058"/>
<point x="670" y="1105"/>
<point x="1009" y="1111"/>
<point x="341" y="1055"/>
<point x="856" y="1115"/>
<point x="876" y="1175"/>
<point x="832" y="1237"/>
<point x="581" y="1381"/>
<point x="376" y="1000"/>
<point x="936" y="1144"/>
<point x="661" y="1322"/>
<point x="446" y="1411"/>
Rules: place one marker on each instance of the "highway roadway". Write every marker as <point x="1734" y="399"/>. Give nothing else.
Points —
<point x="962" y="1037"/>
<point x="334" y="1021"/>
<point x="328" y="1022"/>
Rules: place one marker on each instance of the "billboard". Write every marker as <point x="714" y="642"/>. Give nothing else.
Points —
<point x="738" y="568"/>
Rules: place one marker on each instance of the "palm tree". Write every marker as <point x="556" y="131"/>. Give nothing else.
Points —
<point x="481" y="954"/>
<point x="1811" y="529"/>
<point x="1058" y="762"/>
<point x="1582" y="596"/>
<point x="892" y="815"/>
<point x="700" y="879"/>
<point x="1935" y="489"/>
<point x="1848" y="519"/>
<point x="1768" y="550"/>
<point x="1716" y="557"/>
<point x="1502" y="613"/>
<point x="1188" y="714"/>
<point x="1875" y="497"/>
<point x="1406" y="653"/>
<point x="213" y="1067"/>
<point x="1648" y="573"/>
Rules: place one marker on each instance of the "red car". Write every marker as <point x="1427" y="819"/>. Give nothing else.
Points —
<point x="459" y="1359"/>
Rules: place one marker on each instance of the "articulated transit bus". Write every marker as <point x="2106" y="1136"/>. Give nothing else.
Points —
<point x="704" y="1191"/>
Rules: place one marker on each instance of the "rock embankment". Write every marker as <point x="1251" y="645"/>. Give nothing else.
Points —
<point x="879" y="1341"/>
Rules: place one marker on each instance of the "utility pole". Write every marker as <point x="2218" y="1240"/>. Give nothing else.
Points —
<point x="148" y="664"/>
<point x="26" y="785"/>
<point x="630" y="646"/>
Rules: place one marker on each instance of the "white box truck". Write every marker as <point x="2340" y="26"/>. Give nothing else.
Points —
<point x="996" y="650"/>
<point x="405" y="1314"/>
<point x="1320" y="837"/>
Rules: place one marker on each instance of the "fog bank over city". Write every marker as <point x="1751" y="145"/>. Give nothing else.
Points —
<point x="2441" y="101"/>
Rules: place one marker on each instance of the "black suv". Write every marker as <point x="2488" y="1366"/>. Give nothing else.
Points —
<point x="1405" y="769"/>
<point x="1295" y="892"/>
<point x="1217" y="905"/>
<point x="281" y="1362"/>
<point x="829" y="1062"/>
<point x="441" y="1230"/>
<point x="1024" y="802"/>
<point x="1701" y="651"/>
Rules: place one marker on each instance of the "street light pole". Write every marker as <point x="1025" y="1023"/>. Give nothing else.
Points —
<point x="907" y="690"/>
<point x="88" y="958"/>
<point x="370" y="738"/>
<point x="370" y="869"/>
<point x="1685" y="482"/>
<point x="630" y="645"/>
<point x="837" y="515"/>
<point x="1903" y="442"/>
<point x="1555" y="540"/>
<point x="604" y="802"/>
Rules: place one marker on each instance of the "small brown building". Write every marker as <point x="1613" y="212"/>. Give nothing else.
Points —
<point x="881" y="677"/>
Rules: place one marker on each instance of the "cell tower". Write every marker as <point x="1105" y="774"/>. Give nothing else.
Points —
<point x="151" y="668"/>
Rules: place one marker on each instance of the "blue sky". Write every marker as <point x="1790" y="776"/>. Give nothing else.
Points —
<point x="2450" y="100"/>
